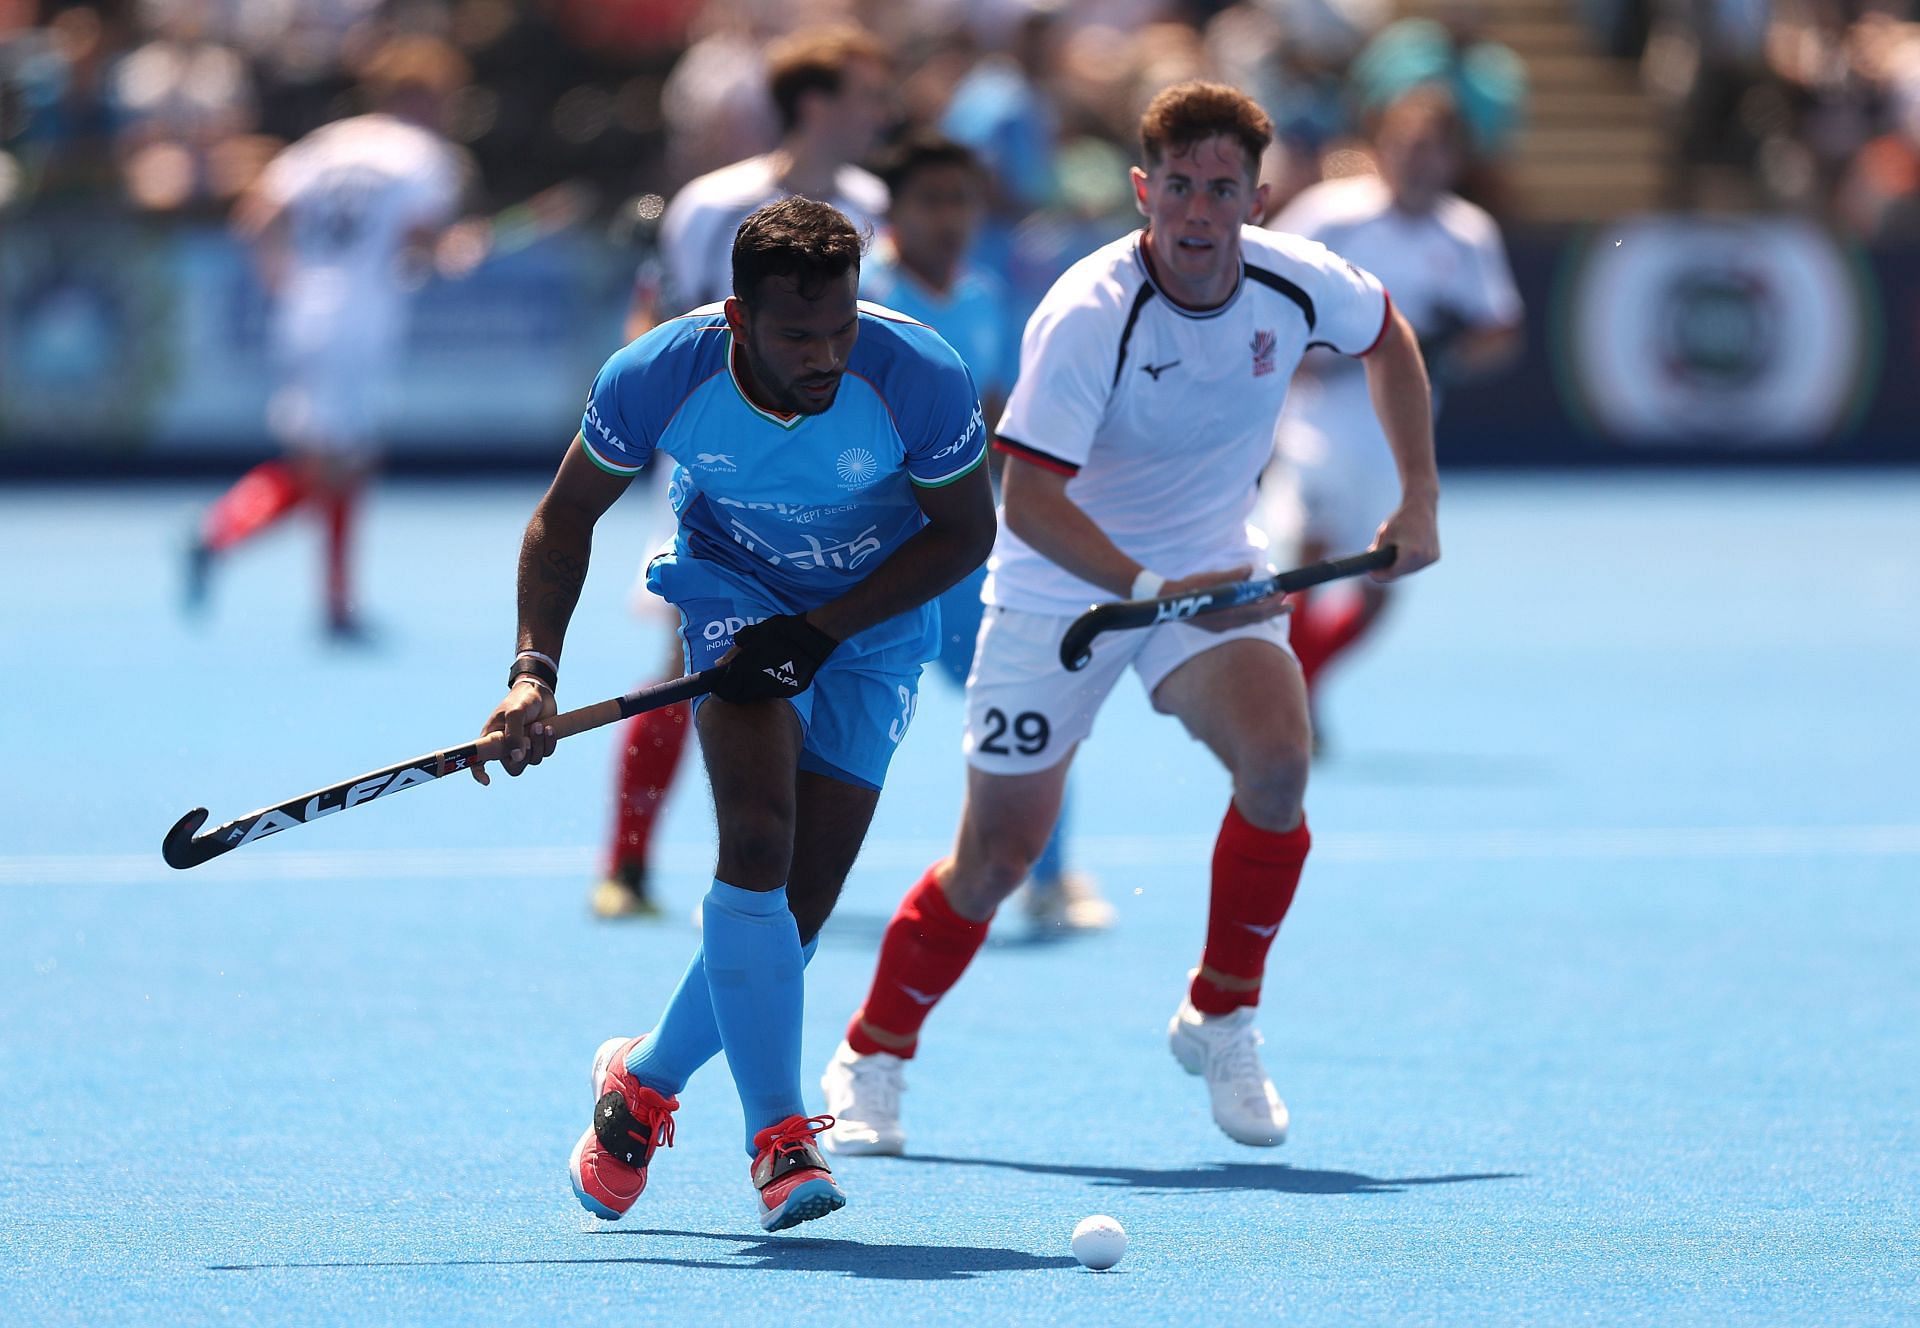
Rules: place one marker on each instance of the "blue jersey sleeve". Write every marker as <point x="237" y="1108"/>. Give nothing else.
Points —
<point x="935" y="406"/>
<point x="638" y="390"/>
<point x="949" y="437"/>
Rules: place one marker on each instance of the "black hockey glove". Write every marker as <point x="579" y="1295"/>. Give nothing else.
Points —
<point x="773" y="660"/>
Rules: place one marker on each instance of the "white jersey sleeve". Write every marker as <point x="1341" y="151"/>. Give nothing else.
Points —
<point x="1350" y="306"/>
<point x="1488" y="296"/>
<point x="1066" y="376"/>
<point x="697" y="256"/>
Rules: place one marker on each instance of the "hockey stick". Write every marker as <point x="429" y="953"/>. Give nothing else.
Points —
<point x="1076" y="647"/>
<point x="183" y="848"/>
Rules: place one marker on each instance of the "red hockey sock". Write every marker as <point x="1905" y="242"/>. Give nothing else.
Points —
<point x="926" y="948"/>
<point x="1255" y="873"/>
<point x="1322" y="631"/>
<point x="341" y="505"/>
<point x="261" y="497"/>
<point x="655" y="740"/>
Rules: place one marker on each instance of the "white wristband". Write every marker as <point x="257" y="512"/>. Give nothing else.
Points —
<point x="549" y="661"/>
<point x="1146" y="585"/>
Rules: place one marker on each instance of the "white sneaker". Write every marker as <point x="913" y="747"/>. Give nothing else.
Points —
<point x="1073" y="902"/>
<point x="1225" y="1049"/>
<point x="863" y="1097"/>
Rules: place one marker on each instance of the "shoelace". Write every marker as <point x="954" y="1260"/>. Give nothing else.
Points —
<point x="798" y="1134"/>
<point x="657" y="1119"/>
<point x="1238" y="1058"/>
<point x="879" y="1084"/>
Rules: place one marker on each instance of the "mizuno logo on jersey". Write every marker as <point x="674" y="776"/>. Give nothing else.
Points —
<point x="1154" y="371"/>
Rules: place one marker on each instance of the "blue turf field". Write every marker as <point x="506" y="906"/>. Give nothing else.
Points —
<point x="1599" y="1003"/>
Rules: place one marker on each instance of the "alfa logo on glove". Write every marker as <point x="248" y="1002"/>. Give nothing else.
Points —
<point x="773" y="659"/>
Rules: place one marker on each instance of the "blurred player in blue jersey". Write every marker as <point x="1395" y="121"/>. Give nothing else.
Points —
<point x="832" y="87"/>
<point x="828" y="486"/>
<point x="919" y="267"/>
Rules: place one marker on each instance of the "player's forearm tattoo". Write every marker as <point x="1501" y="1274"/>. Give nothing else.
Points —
<point x="553" y="568"/>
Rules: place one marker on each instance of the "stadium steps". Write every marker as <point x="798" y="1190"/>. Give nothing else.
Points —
<point x="1593" y="146"/>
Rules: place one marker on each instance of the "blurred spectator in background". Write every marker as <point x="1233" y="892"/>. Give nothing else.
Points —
<point x="336" y="221"/>
<point x="1880" y="200"/>
<point x="1002" y="111"/>
<point x="1703" y="60"/>
<point x="186" y="100"/>
<point x="58" y="117"/>
<point x="919" y="267"/>
<point x="1334" y="481"/>
<point x="831" y="88"/>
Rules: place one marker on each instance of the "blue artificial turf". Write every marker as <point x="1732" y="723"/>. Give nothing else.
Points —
<point x="1598" y="1004"/>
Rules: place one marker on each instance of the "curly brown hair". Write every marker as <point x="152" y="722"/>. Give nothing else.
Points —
<point x="810" y="242"/>
<point x="1187" y="113"/>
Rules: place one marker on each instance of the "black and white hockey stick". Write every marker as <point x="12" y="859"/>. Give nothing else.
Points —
<point x="183" y="848"/>
<point x="1076" y="647"/>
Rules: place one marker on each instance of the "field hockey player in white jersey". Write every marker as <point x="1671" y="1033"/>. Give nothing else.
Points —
<point x="1333" y="476"/>
<point x="1150" y="379"/>
<point x="341" y="223"/>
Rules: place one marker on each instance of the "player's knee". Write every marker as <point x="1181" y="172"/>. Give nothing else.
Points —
<point x="1270" y="779"/>
<point x="757" y="844"/>
<point x="1008" y="854"/>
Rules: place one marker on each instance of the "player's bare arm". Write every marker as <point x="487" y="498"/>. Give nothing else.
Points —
<point x="553" y="567"/>
<point x="1040" y="512"/>
<point x="956" y="539"/>
<point x="1403" y="399"/>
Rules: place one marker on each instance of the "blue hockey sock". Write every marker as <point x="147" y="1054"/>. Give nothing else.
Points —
<point x="686" y="1036"/>
<point x="754" y="974"/>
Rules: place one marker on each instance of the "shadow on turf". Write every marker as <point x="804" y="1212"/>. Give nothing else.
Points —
<point x="792" y="1254"/>
<point x="1275" y="1177"/>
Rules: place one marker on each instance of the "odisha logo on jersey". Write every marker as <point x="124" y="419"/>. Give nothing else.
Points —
<point x="1264" y="345"/>
<point x="856" y="466"/>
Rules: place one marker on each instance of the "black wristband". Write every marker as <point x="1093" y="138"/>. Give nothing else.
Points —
<point x="526" y="666"/>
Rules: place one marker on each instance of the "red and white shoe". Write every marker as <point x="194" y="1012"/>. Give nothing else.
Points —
<point x="630" y="1120"/>
<point x="792" y="1177"/>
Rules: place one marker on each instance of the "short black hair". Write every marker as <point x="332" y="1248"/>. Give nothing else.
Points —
<point x="920" y="152"/>
<point x="809" y="241"/>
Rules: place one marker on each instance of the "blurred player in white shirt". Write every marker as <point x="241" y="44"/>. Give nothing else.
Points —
<point x="1150" y="379"/>
<point x="1333" y="479"/>
<point x="919" y="267"/>
<point x="336" y="221"/>
<point x="833" y="90"/>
